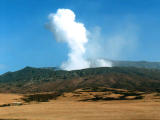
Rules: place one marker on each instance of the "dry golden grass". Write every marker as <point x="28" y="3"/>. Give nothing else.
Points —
<point x="6" y="98"/>
<point x="68" y="107"/>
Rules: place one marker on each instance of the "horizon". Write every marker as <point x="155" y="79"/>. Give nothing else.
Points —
<point x="58" y="67"/>
<point x="25" y="40"/>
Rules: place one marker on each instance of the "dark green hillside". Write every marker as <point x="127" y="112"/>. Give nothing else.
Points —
<point x="45" y="80"/>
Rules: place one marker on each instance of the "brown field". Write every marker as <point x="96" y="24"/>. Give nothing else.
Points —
<point x="9" y="98"/>
<point x="69" y="107"/>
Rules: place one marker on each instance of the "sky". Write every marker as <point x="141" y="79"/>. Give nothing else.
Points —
<point x="129" y="28"/>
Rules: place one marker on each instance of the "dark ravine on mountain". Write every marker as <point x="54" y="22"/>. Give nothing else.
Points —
<point x="33" y="80"/>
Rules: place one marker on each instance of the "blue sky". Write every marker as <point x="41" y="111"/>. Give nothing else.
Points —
<point x="24" y="40"/>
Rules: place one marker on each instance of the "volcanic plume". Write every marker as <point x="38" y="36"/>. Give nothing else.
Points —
<point x="66" y="29"/>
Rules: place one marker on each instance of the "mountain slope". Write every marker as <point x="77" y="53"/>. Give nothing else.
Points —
<point x="46" y="80"/>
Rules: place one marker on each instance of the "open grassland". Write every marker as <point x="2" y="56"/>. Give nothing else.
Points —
<point x="73" y="110"/>
<point x="9" y="98"/>
<point x="85" y="104"/>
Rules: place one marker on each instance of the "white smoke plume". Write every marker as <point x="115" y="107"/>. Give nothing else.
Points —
<point x="66" y="29"/>
<point x="100" y="63"/>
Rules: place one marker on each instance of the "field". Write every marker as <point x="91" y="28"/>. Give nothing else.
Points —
<point x="77" y="106"/>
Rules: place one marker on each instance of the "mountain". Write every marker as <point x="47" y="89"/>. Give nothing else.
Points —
<point x="35" y="80"/>
<point x="116" y="63"/>
<point x="138" y="64"/>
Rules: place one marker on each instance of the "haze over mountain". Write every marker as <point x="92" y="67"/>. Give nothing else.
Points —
<point x="138" y="64"/>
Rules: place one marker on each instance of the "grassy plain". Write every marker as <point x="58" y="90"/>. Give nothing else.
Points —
<point x="70" y="107"/>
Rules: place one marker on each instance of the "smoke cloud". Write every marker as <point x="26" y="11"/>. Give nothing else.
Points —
<point x="66" y="29"/>
<point x="121" y="43"/>
<point x="100" y="63"/>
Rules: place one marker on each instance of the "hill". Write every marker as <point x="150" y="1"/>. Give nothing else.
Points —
<point x="35" y="80"/>
<point x="138" y="64"/>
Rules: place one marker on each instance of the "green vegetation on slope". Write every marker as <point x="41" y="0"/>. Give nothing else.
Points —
<point x="48" y="80"/>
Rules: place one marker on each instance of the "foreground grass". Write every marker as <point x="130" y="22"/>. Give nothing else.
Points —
<point x="71" y="105"/>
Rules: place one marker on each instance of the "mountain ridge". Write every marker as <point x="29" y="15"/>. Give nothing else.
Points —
<point x="138" y="64"/>
<point x="45" y="80"/>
